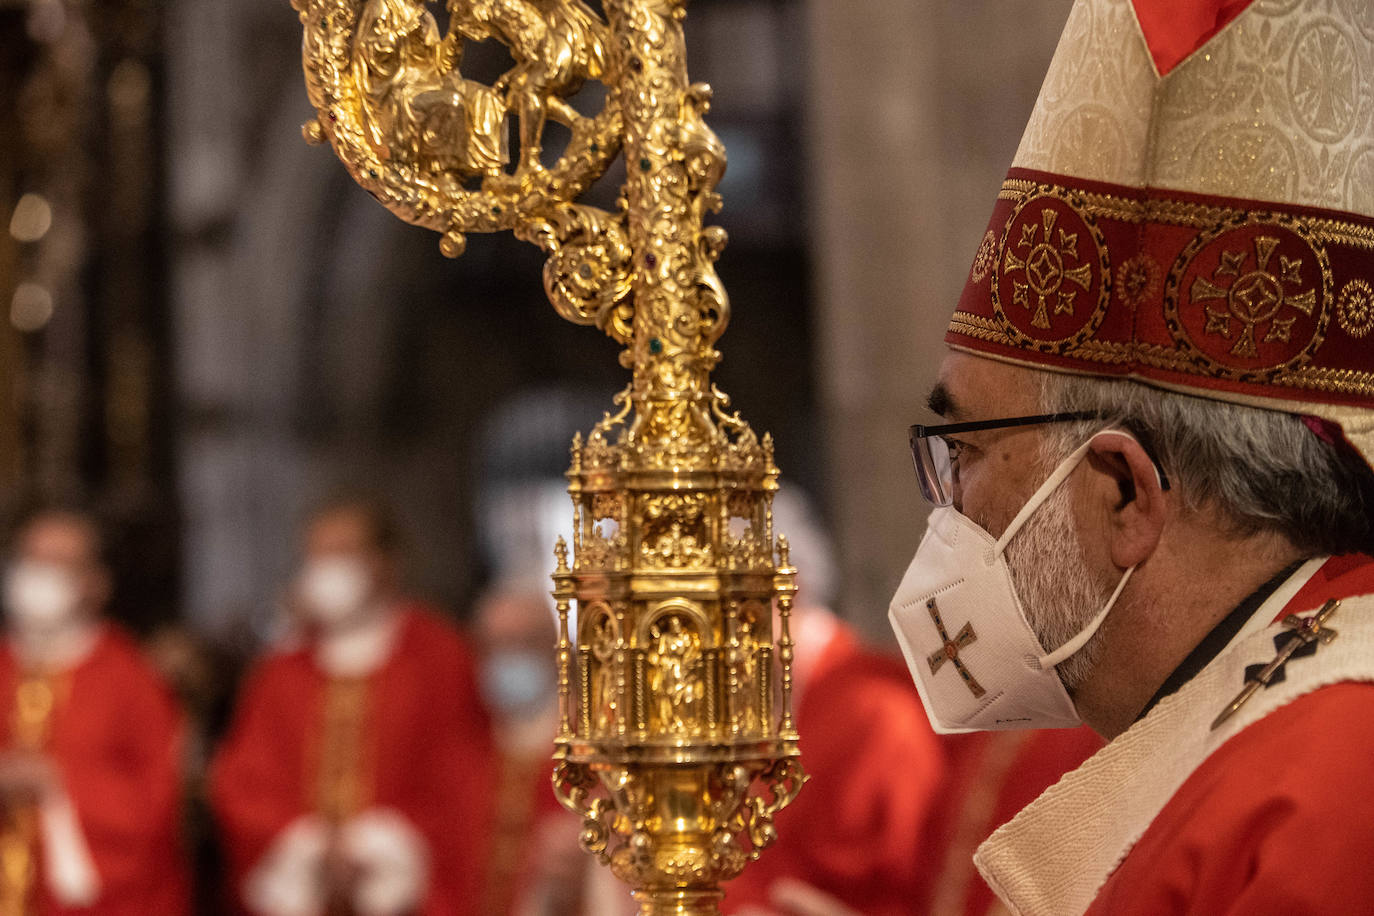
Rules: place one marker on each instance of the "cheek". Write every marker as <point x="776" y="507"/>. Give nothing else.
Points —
<point x="994" y="489"/>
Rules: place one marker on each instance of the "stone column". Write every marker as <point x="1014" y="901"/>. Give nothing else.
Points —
<point x="916" y="110"/>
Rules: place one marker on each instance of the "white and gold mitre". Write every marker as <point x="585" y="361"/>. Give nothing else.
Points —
<point x="1192" y="206"/>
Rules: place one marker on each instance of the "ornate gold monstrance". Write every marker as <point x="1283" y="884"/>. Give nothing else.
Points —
<point x="669" y="746"/>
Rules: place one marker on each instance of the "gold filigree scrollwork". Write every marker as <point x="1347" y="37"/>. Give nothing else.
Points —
<point x="573" y="785"/>
<point x="782" y="782"/>
<point x="589" y="271"/>
<point x="433" y="146"/>
<point x="675" y="534"/>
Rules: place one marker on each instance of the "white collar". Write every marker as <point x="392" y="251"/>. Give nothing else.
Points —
<point x="362" y="647"/>
<point x="54" y="650"/>
<point x="1056" y="854"/>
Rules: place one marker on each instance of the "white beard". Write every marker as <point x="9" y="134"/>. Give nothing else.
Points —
<point x="1055" y="586"/>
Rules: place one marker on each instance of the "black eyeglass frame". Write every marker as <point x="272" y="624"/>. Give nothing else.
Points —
<point x="920" y="431"/>
<point x="928" y="474"/>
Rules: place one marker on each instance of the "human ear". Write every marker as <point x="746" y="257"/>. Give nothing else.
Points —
<point x="1137" y="511"/>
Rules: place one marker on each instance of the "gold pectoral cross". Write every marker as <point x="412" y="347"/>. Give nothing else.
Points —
<point x="1303" y="636"/>
<point x="949" y="652"/>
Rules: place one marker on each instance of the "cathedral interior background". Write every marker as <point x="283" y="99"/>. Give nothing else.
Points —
<point x="210" y="325"/>
<point x="206" y="326"/>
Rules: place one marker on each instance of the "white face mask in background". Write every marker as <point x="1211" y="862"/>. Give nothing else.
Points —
<point x="334" y="590"/>
<point x="40" y="595"/>
<point x="973" y="654"/>
<point x="518" y="681"/>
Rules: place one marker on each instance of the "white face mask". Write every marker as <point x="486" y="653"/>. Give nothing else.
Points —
<point x="40" y="595"/>
<point x="518" y="681"/>
<point x="335" y="590"/>
<point x="976" y="660"/>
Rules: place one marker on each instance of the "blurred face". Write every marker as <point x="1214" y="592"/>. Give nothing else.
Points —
<point x="55" y="575"/>
<point x="517" y="635"/>
<point x="344" y="575"/>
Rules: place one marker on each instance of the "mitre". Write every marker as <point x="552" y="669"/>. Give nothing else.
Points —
<point x="1192" y="207"/>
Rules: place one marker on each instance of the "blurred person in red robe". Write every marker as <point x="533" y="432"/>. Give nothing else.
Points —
<point x="90" y="741"/>
<point x="536" y="866"/>
<point x="875" y="766"/>
<point x="356" y="774"/>
<point x="990" y="776"/>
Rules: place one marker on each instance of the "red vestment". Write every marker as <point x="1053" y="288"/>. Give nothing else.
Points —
<point x="534" y="840"/>
<point x="424" y="749"/>
<point x="1280" y="819"/>
<point x="991" y="776"/>
<point x="1265" y="811"/>
<point x="117" y="736"/>
<point x="1278" y="822"/>
<point x="874" y="763"/>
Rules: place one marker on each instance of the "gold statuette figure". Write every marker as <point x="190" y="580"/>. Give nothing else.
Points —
<point x="676" y="742"/>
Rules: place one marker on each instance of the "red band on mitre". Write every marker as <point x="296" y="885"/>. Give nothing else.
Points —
<point x="1174" y="29"/>
<point x="1221" y="296"/>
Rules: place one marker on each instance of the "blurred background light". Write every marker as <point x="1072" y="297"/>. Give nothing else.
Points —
<point x="32" y="218"/>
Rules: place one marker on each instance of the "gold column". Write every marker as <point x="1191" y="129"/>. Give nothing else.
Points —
<point x="668" y="745"/>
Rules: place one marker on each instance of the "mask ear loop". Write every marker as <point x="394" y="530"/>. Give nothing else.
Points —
<point x="1057" y="477"/>
<point x="1081" y="640"/>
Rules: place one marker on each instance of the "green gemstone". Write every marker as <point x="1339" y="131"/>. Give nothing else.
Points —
<point x="645" y="165"/>
<point x="655" y="345"/>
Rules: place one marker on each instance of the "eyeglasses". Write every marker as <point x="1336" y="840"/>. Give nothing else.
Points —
<point x="937" y="460"/>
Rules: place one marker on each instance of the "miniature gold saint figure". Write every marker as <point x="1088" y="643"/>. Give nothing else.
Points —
<point x="603" y="681"/>
<point x="557" y="45"/>
<point x="415" y="96"/>
<point x="672" y="673"/>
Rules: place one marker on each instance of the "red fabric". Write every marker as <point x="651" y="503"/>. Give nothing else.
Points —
<point x="1285" y="800"/>
<point x="1200" y="293"/>
<point x="1339" y="577"/>
<point x="117" y="738"/>
<point x="1277" y="822"/>
<point x="428" y="739"/>
<point x="1174" y="29"/>
<point x="854" y="830"/>
<point x="536" y="863"/>
<point x="992" y="776"/>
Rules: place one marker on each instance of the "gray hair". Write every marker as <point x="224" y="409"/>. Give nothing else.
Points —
<point x="1258" y="470"/>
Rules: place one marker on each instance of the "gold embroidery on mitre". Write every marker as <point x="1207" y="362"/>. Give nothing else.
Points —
<point x="1355" y="308"/>
<point x="983" y="260"/>
<point x="1252" y="300"/>
<point x="1138" y="280"/>
<point x="1052" y="262"/>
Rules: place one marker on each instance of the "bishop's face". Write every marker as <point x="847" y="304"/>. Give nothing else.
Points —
<point x="1060" y="580"/>
<point x="997" y="469"/>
